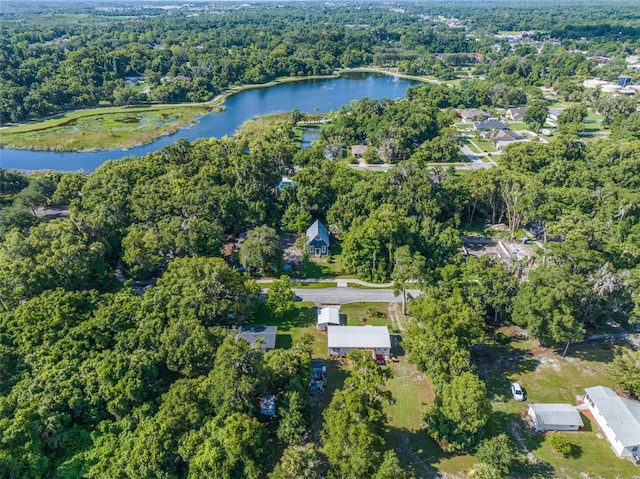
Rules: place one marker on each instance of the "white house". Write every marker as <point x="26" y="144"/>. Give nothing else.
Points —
<point x="344" y="339"/>
<point x="618" y="418"/>
<point x="554" y="114"/>
<point x="328" y="317"/>
<point x="555" y="417"/>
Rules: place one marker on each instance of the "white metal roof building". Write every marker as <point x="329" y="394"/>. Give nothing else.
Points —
<point x="344" y="339"/>
<point x="555" y="417"/>
<point x="619" y="419"/>
<point x="328" y="317"/>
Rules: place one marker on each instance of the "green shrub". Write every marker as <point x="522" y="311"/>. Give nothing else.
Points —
<point x="560" y="444"/>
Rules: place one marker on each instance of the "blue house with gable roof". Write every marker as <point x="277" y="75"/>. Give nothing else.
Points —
<point x="318" y="239"/>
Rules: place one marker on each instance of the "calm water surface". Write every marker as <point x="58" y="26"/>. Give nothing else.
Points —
<point x="307" y="96"/>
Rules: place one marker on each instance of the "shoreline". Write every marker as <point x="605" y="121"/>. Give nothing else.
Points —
<point x="213" y="104"/>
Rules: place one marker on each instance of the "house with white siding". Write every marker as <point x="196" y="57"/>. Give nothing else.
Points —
<point x="618" y="418"/>
<point x="344" y="339"/>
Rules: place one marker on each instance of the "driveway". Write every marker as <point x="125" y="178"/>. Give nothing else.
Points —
<point x="350" y="295"/>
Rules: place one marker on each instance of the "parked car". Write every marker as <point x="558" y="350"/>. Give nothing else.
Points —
<point x="516" y="392"/>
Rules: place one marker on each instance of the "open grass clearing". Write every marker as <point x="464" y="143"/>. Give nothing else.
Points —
<point x="355" y="311"/>
<point x="485" y="146"/>
<point x="293" y="325"/>
<point x="326" y="266"/>
<point x="517" y="126"/>
<point x="471" y="146"/>
<point x="546" y="377"/>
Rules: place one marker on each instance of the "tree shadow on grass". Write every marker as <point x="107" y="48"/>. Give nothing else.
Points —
<point x="591" y="351"/>
<point x="311" y="269"/>
<point x="416" y="451"/>
<point x="521" y="433"/>
<point x="299" y="317"/>
<point x="396" y="345"/>
<point x="498" y="364"/>
<point x="335" y="378"/>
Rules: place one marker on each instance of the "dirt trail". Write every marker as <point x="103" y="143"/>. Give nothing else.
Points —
<point x="396" y="316"/>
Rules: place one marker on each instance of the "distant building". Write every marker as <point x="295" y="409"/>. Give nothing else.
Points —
<point x="600" y="60"/>
<point x="268" y="406"/>
<point x="506" y="137"/>
<point x="358" y="151"/>
<point x="265" y="336"/>
<point x="618" y="418"/>
<point x="594" y="83"/>
<point x="285" y="182"/>
<point x="344" y="339"/>
<point x="491" y="124"/>
<point x="516" y="114"/>
<point x="318" y="239"/>
<point x="472" y="114"/>
<point x="624" y="81"/>
<point x="555" y="417"/>
<point x="554" y="114"/>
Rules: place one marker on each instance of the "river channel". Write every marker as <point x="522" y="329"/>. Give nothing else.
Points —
<point x="307" y="96"/>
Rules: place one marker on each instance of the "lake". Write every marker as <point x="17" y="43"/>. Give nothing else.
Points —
<point x="307" y="96"/>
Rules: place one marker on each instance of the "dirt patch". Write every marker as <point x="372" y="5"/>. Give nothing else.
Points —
<point x="548" y="362"/>
<point x="292" y="255"/>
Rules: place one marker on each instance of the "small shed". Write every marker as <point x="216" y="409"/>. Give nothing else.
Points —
<point x="318" y="239"/>
<point x="328" y="317"/>
<point x="555" y="417"/>
<point x="263" y="335"/>
<point x="344" y="339"/>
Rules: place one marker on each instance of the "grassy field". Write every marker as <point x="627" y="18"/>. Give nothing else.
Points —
<point x="486" y="146"/>
<point x="517" y="126"/>
<point x="327" y="266"/>
<point x="102" y="128"/>
<point x="547" y="377"/>
<point x="355" y="311"/>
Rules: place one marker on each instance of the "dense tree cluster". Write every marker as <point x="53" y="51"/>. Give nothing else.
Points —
<point x="81" y="55"/>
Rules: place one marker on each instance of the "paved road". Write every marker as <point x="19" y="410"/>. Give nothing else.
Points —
<point x="350" y="295"/>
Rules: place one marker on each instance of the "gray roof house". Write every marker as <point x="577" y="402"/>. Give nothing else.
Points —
<point x="491" y="124"/>
<point x="263" y="335"/>
<point x="358" y="151"/>
<point x="618" y="418"/>
<point x="516" y="114"/>
<point x="472" y="114"/>
<point x="318" y="239"/>
<point x="506" y="137"/>
<point x="555" y="417"/>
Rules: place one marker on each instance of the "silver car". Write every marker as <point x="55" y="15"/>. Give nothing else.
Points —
<point x="516" y="392"/>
